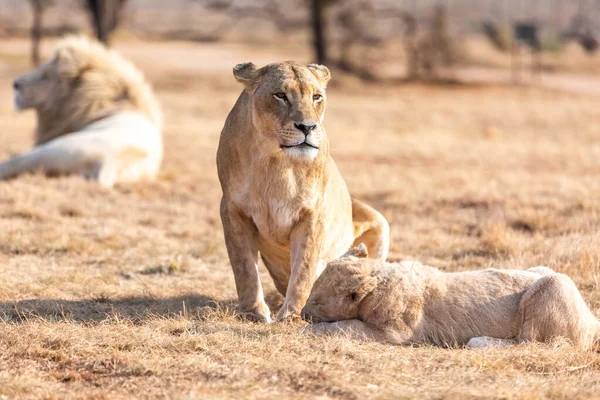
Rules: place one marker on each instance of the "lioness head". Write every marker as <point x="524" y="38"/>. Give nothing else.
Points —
<point x="339" y="290"/>
<point x="288" y="106"/>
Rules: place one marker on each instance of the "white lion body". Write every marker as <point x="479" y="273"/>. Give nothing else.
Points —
<point x="97" y="117"/>
<point x="121" y="148"/>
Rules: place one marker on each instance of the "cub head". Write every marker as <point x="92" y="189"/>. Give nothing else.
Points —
<point x="288" y="106"/>
<point x="340" y="289"/>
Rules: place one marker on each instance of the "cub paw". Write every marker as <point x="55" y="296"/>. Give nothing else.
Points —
<point x="320" y="329"/>
<point x="482" y="342"/>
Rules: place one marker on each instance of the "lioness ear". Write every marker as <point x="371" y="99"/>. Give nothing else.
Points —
<point x="321" y="72"/>
<point x="246" y="73"/>
<point x="359" y="251"/>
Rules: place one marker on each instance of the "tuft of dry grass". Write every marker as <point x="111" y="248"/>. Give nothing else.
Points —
<point x="497" y="240"/>
<point x="127" y="293"/>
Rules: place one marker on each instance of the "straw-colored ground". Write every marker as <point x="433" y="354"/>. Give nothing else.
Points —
<point x="128" y="292"/>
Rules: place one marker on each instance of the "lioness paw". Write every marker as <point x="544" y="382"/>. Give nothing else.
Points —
<point x="258" y="314"/>
<point x="287" y="313"/>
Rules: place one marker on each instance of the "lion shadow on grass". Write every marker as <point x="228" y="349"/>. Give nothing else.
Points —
<point x="135" y="309"/>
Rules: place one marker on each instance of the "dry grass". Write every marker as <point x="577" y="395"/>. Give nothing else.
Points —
<point x="128" y="292"/>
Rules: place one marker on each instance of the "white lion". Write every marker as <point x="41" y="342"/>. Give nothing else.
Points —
<point x="96" y="117"/>
<point x="409" y="302"/>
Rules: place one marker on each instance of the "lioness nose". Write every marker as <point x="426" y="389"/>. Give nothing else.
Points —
<point x="16" y="85"/>
<point x="306" y="129"/>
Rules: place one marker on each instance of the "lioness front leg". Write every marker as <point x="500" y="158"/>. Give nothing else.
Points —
<point x="305" y="250"/>
<point x="242" y="248"/>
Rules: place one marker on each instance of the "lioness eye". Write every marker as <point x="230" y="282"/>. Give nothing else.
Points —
<point x="317" y="98"/>
<point x="280" y="96"/>
<point x="353" y="296"/>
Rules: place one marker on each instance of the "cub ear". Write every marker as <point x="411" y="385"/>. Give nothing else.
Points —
<point x="364" y="285"/>
<point x="321" y="72"/>
<point x="246" y="73"/>
<point x="359" y="251"/>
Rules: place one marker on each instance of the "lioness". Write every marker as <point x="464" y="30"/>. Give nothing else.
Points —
<point x="96" y="117"/>
<point x="404" y="303"/>
<point x="283" y="195"/>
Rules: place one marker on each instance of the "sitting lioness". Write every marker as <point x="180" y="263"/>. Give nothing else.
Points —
<point x="283" y="195"/>
<point x="96" y="117"/>
<point x="405" y="303"/>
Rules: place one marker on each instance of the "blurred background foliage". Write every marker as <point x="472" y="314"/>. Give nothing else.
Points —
<point x="372" y="39"/>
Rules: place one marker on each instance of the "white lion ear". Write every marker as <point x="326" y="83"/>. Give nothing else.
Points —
<point x="69" y="62"/>
<point x="321" y="72"/>
<point x="246" y="73"/>
<point x="359" y="251"/>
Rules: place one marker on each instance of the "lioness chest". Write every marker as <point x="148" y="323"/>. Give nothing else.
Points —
<point x="276" y="203"/>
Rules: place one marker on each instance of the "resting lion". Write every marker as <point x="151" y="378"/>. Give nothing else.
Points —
<point x="408" y="302"/>
<point x="283" y="195"/>
<point x="96" y="117"/>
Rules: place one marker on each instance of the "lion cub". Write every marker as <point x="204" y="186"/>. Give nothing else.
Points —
<point x="404" y="303"/>
<point x="283" y="195"/>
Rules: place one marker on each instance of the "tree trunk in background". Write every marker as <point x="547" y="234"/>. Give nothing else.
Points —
<point x="411" y="47"/>
<point x="106" y="15"/>
<point x="38" y="7"/>
<point x="318" y="29"/>
<point x="36" y="32"/>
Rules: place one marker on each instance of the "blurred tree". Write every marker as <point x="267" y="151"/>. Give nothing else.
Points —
<point x="277" y="12"/>
<point x="411" y="45"/>
<point x="38" y="7"/>
<point x="272" y="10"/>
<point x="581" y="29"/>
<point x="318" y="30"/>
<point x="427" y="47"/>
<point x="106" y="15"/>
<point x="498" y="35"/>
<point x="438" y="48"/>
<point x="318" y="9"/>
<point x="357" y="28"/>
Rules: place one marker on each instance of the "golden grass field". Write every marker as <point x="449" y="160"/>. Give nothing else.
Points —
<point x="128" y="293"/>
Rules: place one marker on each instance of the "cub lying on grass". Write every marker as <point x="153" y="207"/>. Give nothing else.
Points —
<point x="404" y="303"/>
